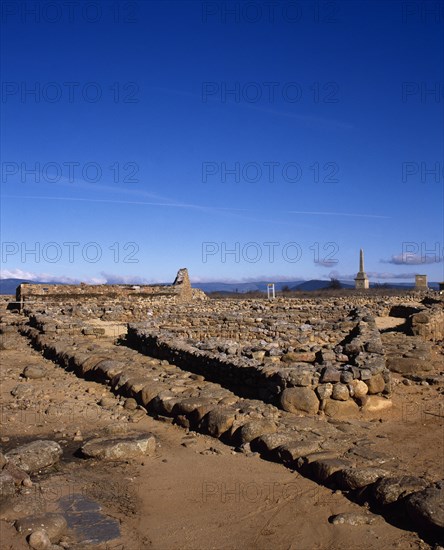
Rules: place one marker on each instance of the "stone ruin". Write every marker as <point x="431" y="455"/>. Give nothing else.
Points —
<point x="305" y="356"/>
<point x="259" y="375"/>
<point x="125" y="298"/>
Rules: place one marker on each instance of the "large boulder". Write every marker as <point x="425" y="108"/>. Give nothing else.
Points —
<point x="376" y="384"/>
<point x="35" y="456"/>
<point x="255" y="428"/>
<point x="390" y="489"/>
<point x="218" y="421"/>
<point x="341" y="409"/>
<point x="297" y="400"/>
<point x="426" y="507"/>
<point x="53" y="524"/>
<point x="34" y="372"/>
<point x="357" y="478"/>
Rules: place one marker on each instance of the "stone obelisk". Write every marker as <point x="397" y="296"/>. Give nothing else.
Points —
<point x="361" y="279"/>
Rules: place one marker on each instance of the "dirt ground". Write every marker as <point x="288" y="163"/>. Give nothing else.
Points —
<point x="195" y="493"/>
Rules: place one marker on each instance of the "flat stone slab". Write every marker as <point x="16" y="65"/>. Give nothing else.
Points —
<point x="88" y="522"/>
<point x="120" y="447"/>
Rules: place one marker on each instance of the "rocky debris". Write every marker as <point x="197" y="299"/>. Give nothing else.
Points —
<point x="352" y="518"/>
<point x="35" y="456"/>
<point x="120" y="447"/>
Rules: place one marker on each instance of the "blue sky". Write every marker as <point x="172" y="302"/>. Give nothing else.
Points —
<point x="167" y="134"/>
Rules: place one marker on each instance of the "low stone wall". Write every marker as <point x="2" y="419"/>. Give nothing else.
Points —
<point x="317" y="382"/>
<point x="429" y="324"/>
<point x="123" y="297"/>
<point x="425" y="319"/>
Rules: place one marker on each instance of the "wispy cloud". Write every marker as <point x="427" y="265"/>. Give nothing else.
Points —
<point x="102" y="278"/>
<point x="311" y="120"/>
<point x="407" y="258"/>
<point x="375" y="275"/>
<point x="346" y="214"/>
<point x="37" y="277"/>
<point x="116" y="279"/>
<point x="326" y="263"/>
<point x="203" y="208"/>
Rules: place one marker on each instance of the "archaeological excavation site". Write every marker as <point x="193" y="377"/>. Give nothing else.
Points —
<point x="160" y="417"/>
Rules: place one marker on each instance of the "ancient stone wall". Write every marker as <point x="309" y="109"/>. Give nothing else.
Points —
<point x="123" y="298"/>
<point x="335" y="380"/>
<point x="429" y="324"/>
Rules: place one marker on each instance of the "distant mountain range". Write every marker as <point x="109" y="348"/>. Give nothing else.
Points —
<point x="304" y="286"/>
<point x="8" y="286"/>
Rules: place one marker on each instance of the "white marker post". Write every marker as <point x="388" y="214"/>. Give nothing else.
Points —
<point x="270" y="291"/>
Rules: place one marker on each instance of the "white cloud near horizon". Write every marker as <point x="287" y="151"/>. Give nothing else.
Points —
<point x="111" y="278"/>
<point x="372" y="275"/>
<point x="407" y="258"/>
